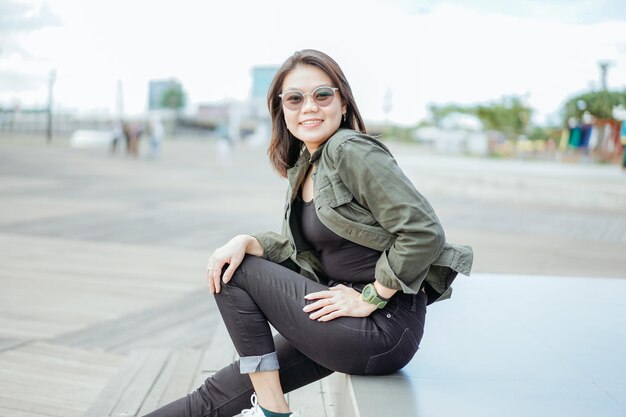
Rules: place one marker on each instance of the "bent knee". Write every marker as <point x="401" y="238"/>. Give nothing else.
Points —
<point x="249" y="264"/>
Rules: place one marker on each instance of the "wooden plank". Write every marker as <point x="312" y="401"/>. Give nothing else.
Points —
<point x="10" y="412"/>
<point x="134" y="396"/>
<point x="50" y="405"/>
<point x="24" y="385"/>
<point x="110" y="395"/>
<point x="41" y="378"/>
<point x="92" y="334"/>
<point x="58" y="369"/>
<point x="10" y="343"/>
<point x="154" y="399"/>
<point x="123" y="334"/>
<point x="71" y="292"/>
<point x="68" y="355"/>
<point x="221" y="351"/>
<point x="187" y="366"/>
<point x="43" y="402"/>
<point x="201" y="376"/>
<point x="192" y="333"/>
<point x="35" y="407"/>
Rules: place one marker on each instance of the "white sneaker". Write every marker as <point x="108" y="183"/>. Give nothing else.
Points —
<point x="256" y="411"/>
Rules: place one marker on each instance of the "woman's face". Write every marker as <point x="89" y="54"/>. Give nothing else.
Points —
<point x="311" y="123"/>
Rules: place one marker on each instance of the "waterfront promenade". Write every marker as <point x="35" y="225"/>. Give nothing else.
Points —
<point x="102" y="257"/>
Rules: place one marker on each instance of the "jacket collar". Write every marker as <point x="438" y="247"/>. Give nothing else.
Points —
<point x="306" y="157"/>
<point x="296" y="174"/>
<point x="317" y="153"/>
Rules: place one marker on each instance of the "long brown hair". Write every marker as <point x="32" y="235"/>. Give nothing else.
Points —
<point x="284" y="148"/>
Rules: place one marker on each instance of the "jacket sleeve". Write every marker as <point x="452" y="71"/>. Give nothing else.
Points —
<point x="276" y="247"/>
<point x="378" y="184"/>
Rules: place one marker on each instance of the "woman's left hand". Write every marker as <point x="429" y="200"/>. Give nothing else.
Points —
<point x="338" y="301"/>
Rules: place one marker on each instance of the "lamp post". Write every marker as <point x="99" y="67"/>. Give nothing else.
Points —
<point x="604" y="69"/>
<point x="51" y="80"/>
<point x="387" y="106"/>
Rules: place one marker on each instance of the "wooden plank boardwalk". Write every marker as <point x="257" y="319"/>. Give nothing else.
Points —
<point x="186" y="322"/>
<point x="45" y="379"/>
<point x="103" y="307"/>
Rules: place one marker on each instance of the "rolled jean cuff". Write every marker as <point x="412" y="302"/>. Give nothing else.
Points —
<point x="263" y="363"/>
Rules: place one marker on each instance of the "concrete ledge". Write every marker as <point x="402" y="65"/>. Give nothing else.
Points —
<point x="340" y="396"/>
<point x="512" y="346"/>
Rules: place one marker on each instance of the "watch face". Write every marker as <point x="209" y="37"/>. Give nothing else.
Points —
<point x="368" y="291"/>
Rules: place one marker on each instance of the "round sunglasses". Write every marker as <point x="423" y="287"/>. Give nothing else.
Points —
<point x="322" y="96"/>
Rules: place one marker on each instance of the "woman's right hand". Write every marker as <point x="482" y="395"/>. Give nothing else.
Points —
<point x="232" y="253"/>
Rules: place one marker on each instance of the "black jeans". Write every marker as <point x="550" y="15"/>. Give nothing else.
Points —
<point x="261" y="292"/>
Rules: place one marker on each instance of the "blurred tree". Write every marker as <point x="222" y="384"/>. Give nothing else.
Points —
<point x="599" y="104"/>
<point x="439" y="112"/>
<point x="539" y="133"/>
<point x="398" y="133"/>
<point x="174" y="98"/>
<point x="509" y="116"/>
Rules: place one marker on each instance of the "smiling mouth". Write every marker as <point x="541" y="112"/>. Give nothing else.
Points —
<point x="311" y="122"/>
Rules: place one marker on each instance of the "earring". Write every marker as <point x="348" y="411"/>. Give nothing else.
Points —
<point x="344" y="117"/>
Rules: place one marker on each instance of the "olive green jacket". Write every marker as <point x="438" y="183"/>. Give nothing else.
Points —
<point x="362" y="195"/>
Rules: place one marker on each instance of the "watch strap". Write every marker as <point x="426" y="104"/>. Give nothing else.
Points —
<point x="372" y="297"/>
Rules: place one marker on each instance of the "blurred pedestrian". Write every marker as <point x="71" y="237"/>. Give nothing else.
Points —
<point x="623" y="141"/>
<point x="127" y="130"/>
<point x="117" y="134"/>
<point x="224" y="148"/>
<point x="132" y="133"/>
<point x="156" y="131"/>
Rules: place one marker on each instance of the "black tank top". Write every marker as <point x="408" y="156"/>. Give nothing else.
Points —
<point x="343" y="261"/>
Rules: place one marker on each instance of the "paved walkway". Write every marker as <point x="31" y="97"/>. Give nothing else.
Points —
<point x="92" y="242"/>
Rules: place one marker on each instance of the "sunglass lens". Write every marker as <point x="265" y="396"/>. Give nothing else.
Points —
<point x="323" y="96"/>
<point x="293" y="99"/>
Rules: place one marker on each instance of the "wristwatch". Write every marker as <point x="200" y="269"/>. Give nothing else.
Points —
<point x="371" y="296"/>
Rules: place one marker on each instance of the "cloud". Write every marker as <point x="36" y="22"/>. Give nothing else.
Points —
<point x="18" y="19"/>
<point x="422" y="50"/>
<point x="565" y="11"/>
<point x="13" y="82"/>
<point x="21" y="17"/>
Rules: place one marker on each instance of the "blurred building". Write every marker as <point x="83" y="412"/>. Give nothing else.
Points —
<point x="214" y="114"/>
<point x="262" y="77"/>
<point x="455" y="133"/>
<point x="214" y="117"/>
<point x="157" y="90"/>
<point x="237" y="120"/>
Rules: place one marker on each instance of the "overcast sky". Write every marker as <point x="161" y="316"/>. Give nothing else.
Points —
<point x="423" y="51"/>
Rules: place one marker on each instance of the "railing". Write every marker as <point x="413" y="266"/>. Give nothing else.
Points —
<point x="36" y="122"/>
